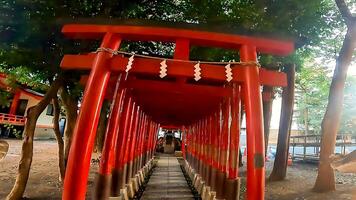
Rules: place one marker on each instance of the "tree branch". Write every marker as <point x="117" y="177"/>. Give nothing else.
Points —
<point x="345" y="11"/>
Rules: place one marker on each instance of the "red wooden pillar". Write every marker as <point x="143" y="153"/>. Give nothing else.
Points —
<point x="205" y="148"/>
<point x="215" y="149"/>
<point x="200" y="147"/>
<point x="103" y="182"/>
<point x="148" y="142"/>
<point x="209" y="150"/>
<point x="254" y="124"/>
<point x="231" y="184"/>
<point x="134" y="134"/>
<point x="87" y="122"/>
<point x="221" y="175"/>
<point x="155" y="131"/>
<point x="234" y="133"/>
<point x="141" y="144"/>
<point x="120" y="146"/>
<point x="188" y="147"/>
<point x="137" y="141"/>
<point x="128" y="146"/>
<point x="184" y="137"/>
<point x="15" y="102"/>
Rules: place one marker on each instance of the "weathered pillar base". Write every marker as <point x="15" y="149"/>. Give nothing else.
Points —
<point x="212" y="195"/>
<point x="130" y="189"/>
<point x="232" y="189"/>
<point x="220" y="179"/>
<point x="205" y="193"/>
<point x="102" y="186"/>
<point x="201" y="185"/>
<point x="123" y="195"/>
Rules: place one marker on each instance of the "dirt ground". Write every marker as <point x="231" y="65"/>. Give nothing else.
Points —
<point x="44" y="184"/>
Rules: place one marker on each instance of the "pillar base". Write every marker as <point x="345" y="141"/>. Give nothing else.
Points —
<point x="220" y="179"/>
<point x="102" y="186"/>
<point x="116" y="182"/>
<point x="130" y="190"/>
<point x="232" y="189"/>
<point x="213" y="179"/>
<point x="205" y="193"/>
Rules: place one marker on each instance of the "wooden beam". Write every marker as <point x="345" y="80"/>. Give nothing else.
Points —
<point x="201" y="38"/>
<point x="165" y="87"/>
<point x="175" y="68"/>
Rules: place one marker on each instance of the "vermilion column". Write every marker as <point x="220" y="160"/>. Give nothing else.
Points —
<point x="209" y="150"/>
<point x="128" y="145"/>
<point x="148" y="142"/>
<point x="133" y="144"/>
<point x="234" y="133"/>
<point x="184" y="137"/>
<point x="120" y="146"/>
<point x="141" y="144"/>
<point x="221" y="176"/>
<point x="254" y="124"/>
<point x="156" y="127"/>
<point x="15" y="103"/>
<point x="200" y="147"/>
<point x="231" y="184"/>
<point x="85" y="130"/>
<point x="205" y="148"/>
<point x="215" y="150"/>
<point x="102" y="189"/>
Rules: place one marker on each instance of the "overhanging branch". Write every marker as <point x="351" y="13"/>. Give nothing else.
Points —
<point x="345" y="11"/>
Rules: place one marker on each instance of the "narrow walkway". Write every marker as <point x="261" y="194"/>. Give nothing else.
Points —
<point x="167" y="181"/>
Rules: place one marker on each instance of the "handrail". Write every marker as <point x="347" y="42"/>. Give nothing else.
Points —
<point x="12" y="119"/>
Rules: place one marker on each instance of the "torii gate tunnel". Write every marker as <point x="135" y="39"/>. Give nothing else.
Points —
<point x="204" y="100"/>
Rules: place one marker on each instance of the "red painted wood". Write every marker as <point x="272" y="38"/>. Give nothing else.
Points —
<point x="121" y="144"/>
<point x="14" y="103"/>
<point x="176" y="68"/>
<point x="85" y="129"/>
<point x="235" y="132"/>
<point x="254" y="124"/>
<point x="203" y="38"/>
<point x="112" y="133"/>
<point x="224" y="137"/>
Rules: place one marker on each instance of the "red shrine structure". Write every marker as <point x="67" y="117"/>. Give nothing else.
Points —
<point x="202" y="99"/>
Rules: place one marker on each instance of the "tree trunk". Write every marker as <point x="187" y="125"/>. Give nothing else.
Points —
<point x="329" y="127"/>
<point x="59" y="138"/>
<point x="27" y="147"/>
<point x="267" y="112"/>
<point x="100" y="135"/>
<point x="71" y="107"/>
<point x="280" y="163"/>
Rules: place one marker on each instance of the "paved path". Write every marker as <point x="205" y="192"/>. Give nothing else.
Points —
<point x="167" y="181"/>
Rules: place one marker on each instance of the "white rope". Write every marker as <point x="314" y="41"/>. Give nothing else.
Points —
<point x="117" y="52"/>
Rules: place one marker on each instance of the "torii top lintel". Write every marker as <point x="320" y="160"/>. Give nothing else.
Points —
<point x="195" y="37"/>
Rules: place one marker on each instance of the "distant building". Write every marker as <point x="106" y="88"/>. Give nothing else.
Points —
<point x="15" y="114"/>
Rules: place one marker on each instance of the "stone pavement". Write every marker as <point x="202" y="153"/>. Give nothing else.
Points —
<point x="167" y="181"/>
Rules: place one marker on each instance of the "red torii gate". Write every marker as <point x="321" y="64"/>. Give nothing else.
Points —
<point x="143" y="102"/>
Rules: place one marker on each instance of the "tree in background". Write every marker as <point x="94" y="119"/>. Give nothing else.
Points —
<point x="312" y="87"/>
<point x="348" y="117"/>
<point x="331" y="122"/>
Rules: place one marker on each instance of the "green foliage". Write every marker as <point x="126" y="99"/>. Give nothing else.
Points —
<point x="312" y="89"/>
<point x="5" y="97"/>
<point x="348" y="118"/>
